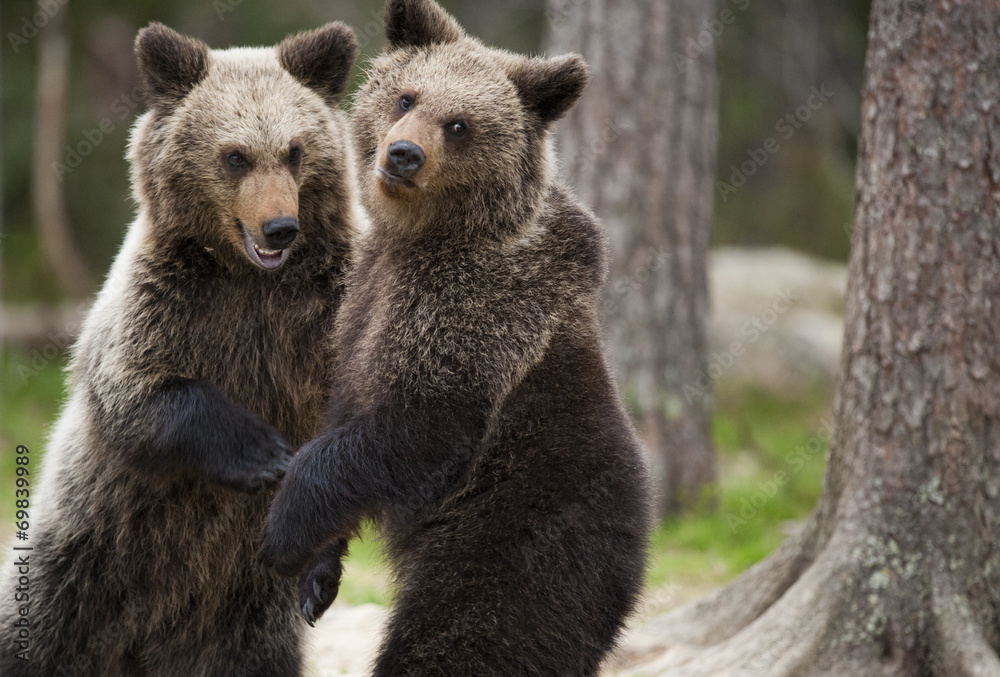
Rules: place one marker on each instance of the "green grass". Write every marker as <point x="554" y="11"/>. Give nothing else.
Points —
<point x="366" y="576"/>
<point x="771" y="453"/>
<point x="757" y="434"/>
<point x="31" y="391"/>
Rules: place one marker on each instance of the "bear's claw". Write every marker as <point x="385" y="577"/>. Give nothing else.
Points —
<point x="319" y="585"/>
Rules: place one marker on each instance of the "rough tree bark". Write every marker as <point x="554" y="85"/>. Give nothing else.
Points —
<point x="897" y="572"/>
<point x="640" y="148"/>
<point x="48" y="201"/>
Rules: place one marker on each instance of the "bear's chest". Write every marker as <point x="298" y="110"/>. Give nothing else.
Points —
<point x="266" y="351"/>
<point x="406" y="326"/>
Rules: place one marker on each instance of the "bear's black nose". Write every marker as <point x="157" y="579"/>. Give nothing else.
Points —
<point x="280" y="231"/>
<point x="405" y="158"/>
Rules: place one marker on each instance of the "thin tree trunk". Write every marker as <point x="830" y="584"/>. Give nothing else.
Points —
<point x="41" y="325"/>
<point x="47" y="197"/>
<point x="897" y="571"/>
<point x="640" y="149"/>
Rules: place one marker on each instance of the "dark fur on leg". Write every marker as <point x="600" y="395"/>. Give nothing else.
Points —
<point x="190" y="428"/>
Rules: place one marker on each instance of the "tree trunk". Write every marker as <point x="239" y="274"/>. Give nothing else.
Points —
<point x="639" y="148"/>
<point x="897" y="572"/>
<point x="47" y="196"/>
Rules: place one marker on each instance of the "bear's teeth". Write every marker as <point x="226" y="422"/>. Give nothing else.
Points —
<point x="267" y="252"/>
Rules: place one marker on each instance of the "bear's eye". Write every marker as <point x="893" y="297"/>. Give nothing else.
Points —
<point x="294" y="155"/>
<point x="456" y="129"/>
<point x="406" y="102"/>
<point x="236" y="160"/>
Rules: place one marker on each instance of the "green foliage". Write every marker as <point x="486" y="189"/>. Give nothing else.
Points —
<point x="29" y="401"/>
<point x="27" y="278"/>
<point x="366" y="574"/>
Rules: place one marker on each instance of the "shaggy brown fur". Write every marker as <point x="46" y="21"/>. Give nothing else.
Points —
<point x="199" y="366"/>
<point x="472" y="414"/>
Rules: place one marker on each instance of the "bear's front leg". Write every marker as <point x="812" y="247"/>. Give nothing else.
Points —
<point x="190" y="427"/>
<point x="308" y="511"/>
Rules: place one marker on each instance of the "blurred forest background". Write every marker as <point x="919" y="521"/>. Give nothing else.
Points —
<point x="770" y="431"/>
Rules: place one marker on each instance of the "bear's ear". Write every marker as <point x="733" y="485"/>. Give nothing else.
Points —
<point x="170" y="64"/>
<point x="550" y="87"/>
<point x="321" y="59"/>
<point x="419" y="23"/>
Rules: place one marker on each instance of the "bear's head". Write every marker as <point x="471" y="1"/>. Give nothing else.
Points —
<point x="453" y="134"/>
<point x="243" y="151"/>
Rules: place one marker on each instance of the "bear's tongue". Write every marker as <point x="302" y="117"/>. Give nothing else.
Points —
<point x="265" y="258"/>
<point x="270" y="257"/>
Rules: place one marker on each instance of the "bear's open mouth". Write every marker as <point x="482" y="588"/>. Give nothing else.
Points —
<point x="268" y="259"/>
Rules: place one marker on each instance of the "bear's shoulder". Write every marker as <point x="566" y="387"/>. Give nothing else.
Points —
<point x="576" y="236"/>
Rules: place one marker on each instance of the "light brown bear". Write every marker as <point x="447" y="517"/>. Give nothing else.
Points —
<point x="200" y="365"/>
<point x="472" y="413"/>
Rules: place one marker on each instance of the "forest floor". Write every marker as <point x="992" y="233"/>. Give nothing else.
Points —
<point x="345" y="640"/>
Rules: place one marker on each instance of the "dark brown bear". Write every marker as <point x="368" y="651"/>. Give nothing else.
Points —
<point x="472" y="415"/>
<point x="198" y="368"/>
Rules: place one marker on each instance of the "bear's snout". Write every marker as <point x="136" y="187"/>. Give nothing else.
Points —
<point x="280" y="231"/>
<point x="405" y="158"/>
